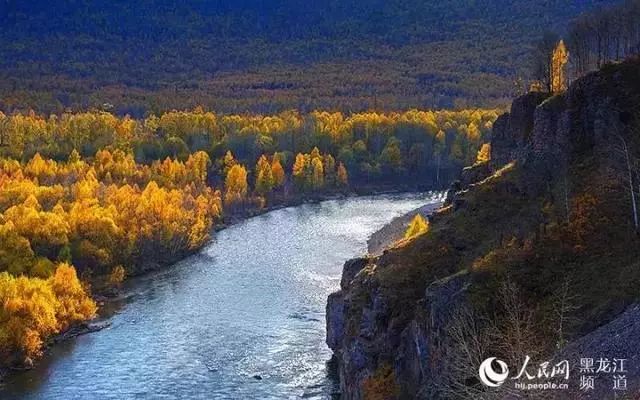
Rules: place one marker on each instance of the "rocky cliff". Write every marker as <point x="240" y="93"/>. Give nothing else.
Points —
<point x="549" y="214"/>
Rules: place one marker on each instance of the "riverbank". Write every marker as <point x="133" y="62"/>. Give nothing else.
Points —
<point x="74" y="331"/>
<point x="320" y="197"/>
<point x="250" y="303"/>
<point x="104" y="294"/>
<point x="394" y="230"/>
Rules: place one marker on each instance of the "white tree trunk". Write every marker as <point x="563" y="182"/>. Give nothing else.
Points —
<point x="625" y="149"/>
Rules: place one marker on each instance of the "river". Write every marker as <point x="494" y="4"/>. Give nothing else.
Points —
<point x="242" y="319"/>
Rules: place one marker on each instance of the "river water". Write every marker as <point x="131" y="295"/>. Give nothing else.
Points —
<point x="242" y="319"/>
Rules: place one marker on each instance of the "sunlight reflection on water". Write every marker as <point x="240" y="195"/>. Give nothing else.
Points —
<point x="250" y="304"/>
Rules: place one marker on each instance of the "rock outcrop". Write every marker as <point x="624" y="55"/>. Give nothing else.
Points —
<point x="336" y="306"/>
<point x="364" y="334"/>
<point x="470" y="175"/>
<point x="620" y="338"/>
<point x="512" y="130"/>
<point x="368" y="327"/>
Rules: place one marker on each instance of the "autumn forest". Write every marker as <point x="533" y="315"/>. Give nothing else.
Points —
<point x="334" y="200"/>
<point x="90" y="198"/>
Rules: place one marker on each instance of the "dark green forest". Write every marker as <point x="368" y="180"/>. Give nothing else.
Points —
<point x="237" y="56"/>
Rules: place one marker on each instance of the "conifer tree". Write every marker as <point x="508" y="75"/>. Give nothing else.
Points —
<point x="317" y="177"/>
<point x="418" y="226"/>
<point x="559" y="60"/>
<point x="264" y="176"/>
<point x="299" y="171"/>
<point x="277" y="172"/>
<point x="484" y="154"/>
<point x="235" y="185"/>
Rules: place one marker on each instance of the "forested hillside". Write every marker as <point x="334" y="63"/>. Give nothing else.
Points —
<point x="235" y="56"/>
<point x="536" y="247"/>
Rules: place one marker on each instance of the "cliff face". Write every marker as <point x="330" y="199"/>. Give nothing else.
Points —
<point x="527" y="215"/>
<point x="512" y="130"/>
<point x="365" y="333"/>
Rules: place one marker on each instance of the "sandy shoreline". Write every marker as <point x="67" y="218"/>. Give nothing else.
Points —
<point x="394" y="230"/>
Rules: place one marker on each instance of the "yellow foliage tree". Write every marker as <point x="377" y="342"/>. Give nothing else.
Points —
<point x="317" y="179"/>
<point x="315" y="154"/>
<point x="277" y="172"/>
<point x="117" y="275"/>
<point x="559" y="61"/>
<point x="264" y="176"/>
<point x="74" y="305"/>
<point x="27" y="315"/>
<point x="33" y="309"/>
<point x="299" y="171"/>
<point x="484" y="154"/>
<point x="418" y="226"/>
<point x="235" y="185"/>
<point x="44" y="230"/>
<point x="197" y="165"/>
<point x="16" y="255"/>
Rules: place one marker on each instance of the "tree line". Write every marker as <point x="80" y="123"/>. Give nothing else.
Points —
<point x="347" y="56"/>
<point x="90" y="198"/>
<point x="64" y="223"/>
<point x="603" y="35"/>
<point x="374" y="147"/>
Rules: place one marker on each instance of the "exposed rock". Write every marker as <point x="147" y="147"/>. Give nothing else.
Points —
<point x="620" y="338"/>
<point x="362" y="335"/>
<point x="350" y="270"/>
<point x="540" y="138"/>
<point x="510" y="140"/>
<point x="418" y="359"/>
<point x="335" y="310"/>
<point x="443" y="296"/>
<point x="455" y="187"/>
<point x="474" y="173"/>
<point x="335" y="321"/>
<point x="511" y="131"/>
<point x="469" y="176"/>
